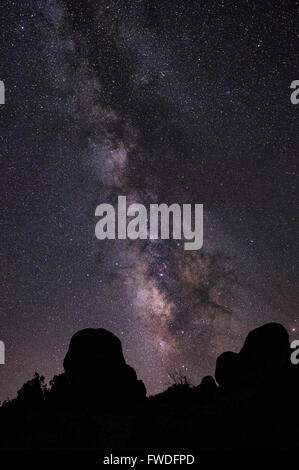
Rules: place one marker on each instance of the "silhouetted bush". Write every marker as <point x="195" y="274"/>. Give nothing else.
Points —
<point x="33" y="392"/>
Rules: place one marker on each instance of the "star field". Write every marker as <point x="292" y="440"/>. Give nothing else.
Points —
<point x="185" y="102"/>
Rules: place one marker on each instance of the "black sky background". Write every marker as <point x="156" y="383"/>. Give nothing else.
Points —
<point x="163" y="102"/>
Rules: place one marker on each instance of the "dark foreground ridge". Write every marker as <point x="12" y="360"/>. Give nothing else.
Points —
<point x="99" y="404"/>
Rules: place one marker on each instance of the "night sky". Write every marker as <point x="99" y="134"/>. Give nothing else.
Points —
<point x="161" y="101"/>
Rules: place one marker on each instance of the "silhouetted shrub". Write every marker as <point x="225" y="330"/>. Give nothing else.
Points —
<point x="33" y="392"/>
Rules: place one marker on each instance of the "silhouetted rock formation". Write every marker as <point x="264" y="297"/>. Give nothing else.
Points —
<point x="227" y="371"/>
<point x="264" y="360"/>
<point x="266" y="353"/>
<point x="208" y="383"/>
<point x="97" y="371"/>
<point x="253" y="407"/>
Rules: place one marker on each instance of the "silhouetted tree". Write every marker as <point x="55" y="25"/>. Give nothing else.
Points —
<point x="33" y="392"/>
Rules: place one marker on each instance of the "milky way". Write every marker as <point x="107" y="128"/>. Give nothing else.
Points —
<point x="185" y="102"/>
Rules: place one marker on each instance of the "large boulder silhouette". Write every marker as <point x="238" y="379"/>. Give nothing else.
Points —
<point x="227" y="371"/>
<point x="265" y="354"/>
<point x="263" y="359"/>
<point x="96" y="369"/>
